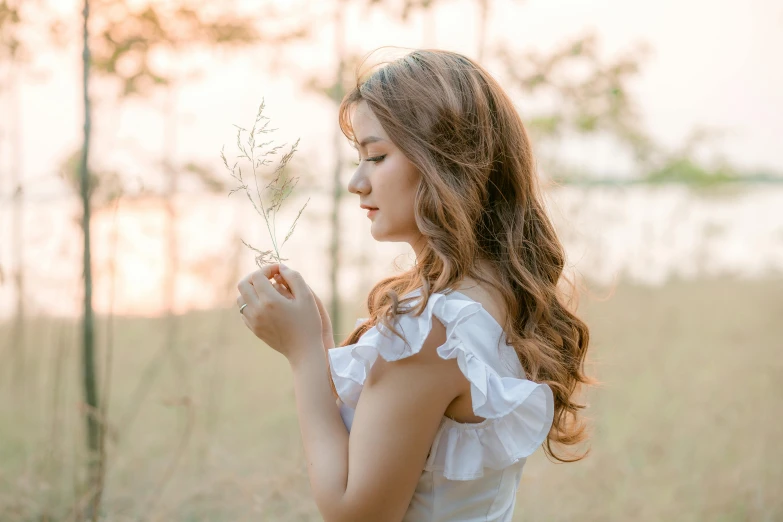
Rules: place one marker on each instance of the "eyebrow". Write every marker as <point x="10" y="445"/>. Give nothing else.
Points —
<point x="369" y="139"/>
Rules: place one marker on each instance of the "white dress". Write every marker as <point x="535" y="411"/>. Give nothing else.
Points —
<point x="473" y="470"/>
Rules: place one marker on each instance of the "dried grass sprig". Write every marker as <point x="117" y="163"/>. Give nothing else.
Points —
<point x="280" y="186"/>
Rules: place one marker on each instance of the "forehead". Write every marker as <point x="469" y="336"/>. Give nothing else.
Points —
<point x="365" y="123"/>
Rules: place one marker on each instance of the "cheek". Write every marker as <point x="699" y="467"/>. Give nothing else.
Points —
<point x="395" y="184"/>
<point x="413" y="180"/>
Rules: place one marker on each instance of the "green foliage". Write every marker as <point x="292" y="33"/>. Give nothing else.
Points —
<point x="681" y="165"/>
<point x="21" y="22"/>
<point x="103" y="187"/>
<point x="338" y="85"/>
<point x="126" y="40"/>
<point x="686" y="170"/>
<point x="10" y="21"/>
<point x="596" y="101"/>
<point x="548" y="125"/>
<point x="600" y="101"/>
<point x="205" y="175"/>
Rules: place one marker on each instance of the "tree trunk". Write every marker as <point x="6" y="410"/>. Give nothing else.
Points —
<point x="172" y="241"/>
<point x="88" y="334"/>
<point x="482" y="29"/>
<point x="428" y="27"/>
<point x="17" y="245"/>
<point x="337" y="192"/>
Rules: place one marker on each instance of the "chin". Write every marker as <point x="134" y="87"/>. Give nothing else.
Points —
<point x="394" y="235"/>
<point x="387" y="238"/>
<point x="378" y="236"/>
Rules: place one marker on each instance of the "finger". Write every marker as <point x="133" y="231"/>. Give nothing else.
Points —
<point x="281" y="281"/>
<point x="247" y="292"/>
<point x="260" y="279"/>
<point x="317" y="299"/>
<point x="277" y="281"/>
<point x="247" y="322"/>
<point x="280" y="288"/>
<point x="294" y="280"/>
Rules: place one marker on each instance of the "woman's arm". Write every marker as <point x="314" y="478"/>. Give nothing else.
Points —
<point x="324" y="435"/>
<point x="372" y="475"/>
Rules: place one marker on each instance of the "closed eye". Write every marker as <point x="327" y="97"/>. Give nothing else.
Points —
<point x="375" y="159"/>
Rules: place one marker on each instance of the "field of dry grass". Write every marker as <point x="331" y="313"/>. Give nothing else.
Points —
<point x="687" y="423"/>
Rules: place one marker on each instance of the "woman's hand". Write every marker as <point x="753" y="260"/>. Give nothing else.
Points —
<point x="327" y="334"/>
<point x="291" y="324"/>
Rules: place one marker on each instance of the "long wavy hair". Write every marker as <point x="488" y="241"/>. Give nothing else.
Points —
<point x="478" y="199"/>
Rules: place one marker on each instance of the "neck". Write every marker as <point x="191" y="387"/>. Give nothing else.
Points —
<point x="418" y="246"/>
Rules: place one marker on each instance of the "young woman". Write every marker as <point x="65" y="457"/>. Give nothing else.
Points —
<point x="469" y="360"/>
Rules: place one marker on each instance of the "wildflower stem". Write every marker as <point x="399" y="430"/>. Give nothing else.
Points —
<point x="280" y="186"/>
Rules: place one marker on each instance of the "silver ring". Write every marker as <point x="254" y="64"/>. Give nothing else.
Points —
<point x="242" y="307"/>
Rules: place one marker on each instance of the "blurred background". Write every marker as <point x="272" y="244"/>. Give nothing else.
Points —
<point x="130" y="388"/>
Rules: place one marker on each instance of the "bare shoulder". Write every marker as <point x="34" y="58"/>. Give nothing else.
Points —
<point x="489" y="298"/>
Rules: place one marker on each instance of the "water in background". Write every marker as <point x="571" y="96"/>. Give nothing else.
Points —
<point x="638" y="233"/>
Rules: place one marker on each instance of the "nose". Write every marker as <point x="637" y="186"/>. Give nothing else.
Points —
<point x="359" y="184"/>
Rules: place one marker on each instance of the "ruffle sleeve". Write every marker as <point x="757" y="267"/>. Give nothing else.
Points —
<point x="518" y="412"/>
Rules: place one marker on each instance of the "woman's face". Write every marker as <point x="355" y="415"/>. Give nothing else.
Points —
<point x="385" y="179"/>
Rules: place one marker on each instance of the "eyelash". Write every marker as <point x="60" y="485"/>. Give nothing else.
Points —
<point x="376" y="159"/>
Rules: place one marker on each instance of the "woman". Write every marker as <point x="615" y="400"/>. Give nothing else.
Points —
<point x="469" y="360"/>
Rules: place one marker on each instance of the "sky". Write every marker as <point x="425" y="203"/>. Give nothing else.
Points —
<point x="713" y="64"/>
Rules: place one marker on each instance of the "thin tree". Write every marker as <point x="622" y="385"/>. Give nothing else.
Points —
<point x="483" y="6"/>
<point x="335" y="91"/>
<point x="337" y="188"/>
<point x="89" y="377"/>
<point x="127" y="33"/>
<point x="114" y="38"/>
<point x="125" y="43"/>
<point x="13" y="53"/>
<point x="133" y="36"/>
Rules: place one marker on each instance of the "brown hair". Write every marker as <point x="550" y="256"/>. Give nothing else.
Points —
<point x="478" y="198"/>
